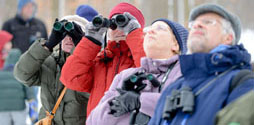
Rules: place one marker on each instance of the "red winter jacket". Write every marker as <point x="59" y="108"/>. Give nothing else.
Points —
<point x="5" y="37"/>
<point x="86" y="71"/>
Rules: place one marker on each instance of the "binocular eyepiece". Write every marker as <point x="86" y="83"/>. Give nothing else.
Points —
<point x="119" y="20"/>
<point x="64" y="25"/>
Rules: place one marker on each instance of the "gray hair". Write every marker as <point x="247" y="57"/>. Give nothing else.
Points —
<point x="228" y="29"/>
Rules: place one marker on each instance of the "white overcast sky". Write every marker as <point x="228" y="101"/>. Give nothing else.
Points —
<point x="247" y="39"/>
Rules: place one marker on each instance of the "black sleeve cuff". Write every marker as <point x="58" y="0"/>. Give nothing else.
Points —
<point x="93" y="40"/>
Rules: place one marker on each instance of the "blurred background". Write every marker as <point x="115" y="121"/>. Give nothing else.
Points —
<point x="176" y="10"/>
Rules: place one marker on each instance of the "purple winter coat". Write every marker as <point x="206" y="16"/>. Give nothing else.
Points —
<point x="148" y="97"/>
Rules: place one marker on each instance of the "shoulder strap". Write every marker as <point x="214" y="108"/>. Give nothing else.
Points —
<point x="240" y="77"/>
<point x="58" y="101"/>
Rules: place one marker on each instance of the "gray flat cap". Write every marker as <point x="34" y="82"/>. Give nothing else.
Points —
<point x="214" y="8"/>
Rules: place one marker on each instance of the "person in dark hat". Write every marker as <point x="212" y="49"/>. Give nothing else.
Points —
<point x="86" y="11"/>
<point x="163" y="42"/>
<point x="214" y="59"/>
<point x="96" y="60"/>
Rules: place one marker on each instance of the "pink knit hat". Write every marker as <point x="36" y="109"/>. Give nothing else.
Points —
<point x="4" y="38"/>
<point x="126" y="7"/>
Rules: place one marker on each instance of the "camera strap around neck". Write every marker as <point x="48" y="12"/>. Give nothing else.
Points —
<point x="165" y="77"/>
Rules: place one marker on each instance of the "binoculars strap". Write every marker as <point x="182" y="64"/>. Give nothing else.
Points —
<point x="165" y="77"/>
<point x="213" y="80"/>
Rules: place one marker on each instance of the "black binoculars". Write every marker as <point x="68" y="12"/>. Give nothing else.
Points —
<point x="63" y="25"/>
<point x="118" y="20"/>
<point x="136" y="80"/>
<point x="179" y="99"/>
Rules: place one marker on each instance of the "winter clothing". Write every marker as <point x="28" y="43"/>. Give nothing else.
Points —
<point x="12" y="94"/>
<point x="148" y="97"/>
<point x="127" y="102"/>
<point x="126" y="7"/>
<point x="5" y="37"/>
<point x="92" y="32"/>
<point x="22" y="3"/>
<point x="76" y="33"/>
<point x="198" y="70"/>
<point x="78" y="20"/>
<point x="86" y="12"/>
<point x="181" y="34"/>
<point x="25" y="32"/>
<point x="38" y="67"/>
<point x="131" y="25"/>
<point x="239" y="112"/>
<point x="91" y="70"/>
<point x="214" y="8"/>
<point x="16" y="117"/>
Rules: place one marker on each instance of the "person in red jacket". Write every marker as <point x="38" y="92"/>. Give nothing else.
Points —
<point x="5" y="46"/>
<point x="92" y="69"/>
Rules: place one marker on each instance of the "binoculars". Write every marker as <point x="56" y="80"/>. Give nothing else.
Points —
<point x="119" y="20"/>
<point x="135" y="82"/>
<point x="63" y="26"/>
<point x="179" y="99"/>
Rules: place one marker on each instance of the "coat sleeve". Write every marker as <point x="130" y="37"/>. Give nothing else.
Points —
<point x="30" y="94"/>
<point x="135" y="42"/>
<point x="77" y="71"/>
<point x="6" y="27"/>
<point x="100" y="116"/>
<point x="241" y="90"/>
<point x="28" y="69"/>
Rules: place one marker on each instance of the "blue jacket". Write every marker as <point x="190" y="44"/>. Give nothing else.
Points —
<point x="198" y="69"/>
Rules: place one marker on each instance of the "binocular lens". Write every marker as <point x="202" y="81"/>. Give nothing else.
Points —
<point x="68" y="26"/>
<point x="121" y="20"/>
<point x="97" y="21"/>
<point x="133" y="78"/>
<point x="149" y="77"/>
<point x="57" y="26"/>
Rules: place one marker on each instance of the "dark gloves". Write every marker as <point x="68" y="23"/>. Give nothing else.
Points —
<point x="76" y="34"/>
<point x="126" y="102"/>
<point x="55" y="37"/>
<point x="132" y="24"/>
<point x="96" y="33"/>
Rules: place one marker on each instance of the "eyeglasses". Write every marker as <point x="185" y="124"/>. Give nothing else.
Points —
<point x="206" y="22"/>
<point x="157" y="28"/>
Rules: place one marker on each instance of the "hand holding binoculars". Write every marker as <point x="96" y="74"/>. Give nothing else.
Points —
<point x="63" y="25"/>
<point x="119" y="20"/>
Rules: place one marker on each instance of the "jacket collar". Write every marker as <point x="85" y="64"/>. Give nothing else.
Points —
<point x="21" y="20"/>
<point x="113" y="49"/>
<point x="157" y="66"/>
<point x="117" y="48"/>
<point x="204" y="64"/>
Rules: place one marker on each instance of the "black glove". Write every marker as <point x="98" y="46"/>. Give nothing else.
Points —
<point x="76" y="34"/>
<point x="126" y="102"/>
<point x="55" y="37"/>
<point x="132" y="24"/>
<point x="96" y="33"/>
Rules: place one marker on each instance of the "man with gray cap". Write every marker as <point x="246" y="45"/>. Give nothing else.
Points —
<point x="214" y="59"/>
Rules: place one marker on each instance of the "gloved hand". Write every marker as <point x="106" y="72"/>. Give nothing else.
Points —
<point x="132" y="24"/>
<point x="126" y="102"/>
<point x="55" y="37"/>
<point x="76" y="34"/>
<point x="96" y="33"/>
